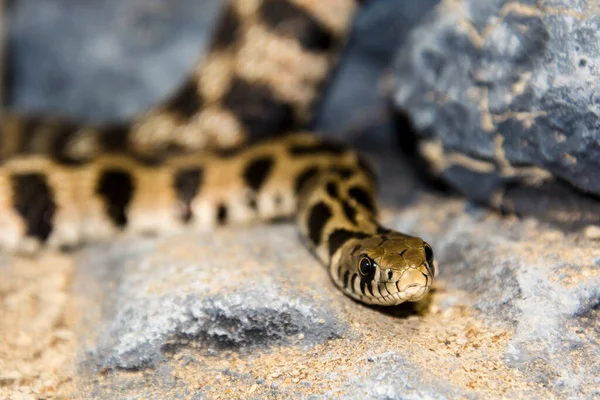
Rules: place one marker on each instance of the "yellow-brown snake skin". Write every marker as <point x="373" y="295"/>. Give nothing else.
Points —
<point x="62" y="184"/>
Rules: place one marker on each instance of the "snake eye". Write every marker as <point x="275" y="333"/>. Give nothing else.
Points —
<point x="365" y="266"/>
<point x="428" y="253"/>
<point x="429" y="256"/>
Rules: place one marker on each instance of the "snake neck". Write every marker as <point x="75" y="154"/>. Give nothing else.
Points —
<point x="370" y="263"/>
<point x="335" y="206"/>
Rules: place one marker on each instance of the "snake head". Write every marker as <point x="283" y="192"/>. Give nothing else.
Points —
<point x="387" y="269"/>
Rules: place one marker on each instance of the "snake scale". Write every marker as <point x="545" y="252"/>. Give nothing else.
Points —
<point x="62" y="184"/>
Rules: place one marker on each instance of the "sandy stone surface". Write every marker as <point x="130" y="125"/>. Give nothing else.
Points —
<point x="248" y="313"/>
<point x="38" y="315"/>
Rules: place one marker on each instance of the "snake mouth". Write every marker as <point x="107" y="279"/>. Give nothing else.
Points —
<point x="413" y="285"/>
<point x="413" y="292"/>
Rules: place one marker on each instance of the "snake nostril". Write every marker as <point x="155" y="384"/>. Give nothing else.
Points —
<point x="390" y="274"/>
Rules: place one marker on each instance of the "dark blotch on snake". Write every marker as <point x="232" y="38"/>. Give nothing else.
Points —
<point x="304" y="177"/>
<point x="343" y="172"/>
<point x="332" y="190"/>
<point x="227" y="31"/>
<point x="222" y="214"/>
<point x="32" y="198"/>
<point x="228" y="152"/>
<point x="116" y="186"/>
<point x="278" y="200"/>
<point x="383" y="230"/>
<point x="362" y="197"/>
<point x="250" y="102"/>
<point x="290" y="20"/>
<point x="363" y="285"/>
<point x="341" y="236"/>
<point x="186" y="101"/>
<point x="379" y="290"/>
<point x="370" y="287"/>
<point x="187" y="182"/>
<point x="350" y="212"/>
<point x="318" y="216"/>
<point x="28" y="132"/>
<point x="320" y="147"/>
<point x="346" y="276"/>
<point x="114" y="137"/>
<point x="61" y="134"/>
<point x="251" y="202"/>
<point x="354" y="276"/>
<point x="257" y="170"/>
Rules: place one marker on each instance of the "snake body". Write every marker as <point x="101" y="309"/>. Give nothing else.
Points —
<point x="62" y="184"/>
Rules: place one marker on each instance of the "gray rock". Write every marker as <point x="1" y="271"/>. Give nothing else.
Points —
<point x="102" y="60"/>
<point x="392" y="378"/>
<point x="355" y="107"/>
<point x="507" y="81"/>
<point x="142" y="331"/>
<point x="159" y="304"/>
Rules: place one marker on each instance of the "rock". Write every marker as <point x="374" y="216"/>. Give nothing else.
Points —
<point x="355" y="107"/>
<point x="500" y="85"/>
<point x="228" y="300"/>
<point x="102" y="60"/>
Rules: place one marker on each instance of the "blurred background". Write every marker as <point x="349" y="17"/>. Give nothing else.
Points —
<point x="486" y="80"/>
<point x="108" y="59"/>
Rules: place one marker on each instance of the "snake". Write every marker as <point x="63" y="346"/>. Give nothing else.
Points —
<point x="180" y="167"/>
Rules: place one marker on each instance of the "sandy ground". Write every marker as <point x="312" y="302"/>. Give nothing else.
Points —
<point x="38" y="316"/>
<point x="443" y="343"/>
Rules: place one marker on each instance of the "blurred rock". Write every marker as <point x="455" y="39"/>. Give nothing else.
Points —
<point x="508" y="81"/>
<point x="102" y="60"/>
<point x="356" y="106"/>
